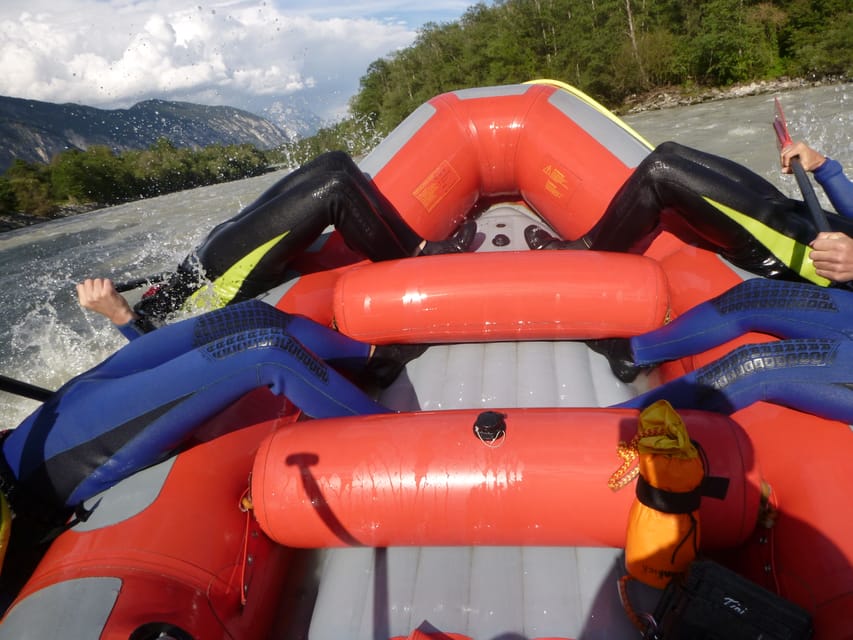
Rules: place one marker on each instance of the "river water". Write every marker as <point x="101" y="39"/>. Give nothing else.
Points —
<point x="49" y="339"/>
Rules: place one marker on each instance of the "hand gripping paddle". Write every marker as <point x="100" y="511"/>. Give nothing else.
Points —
<point x="806" y="188"/>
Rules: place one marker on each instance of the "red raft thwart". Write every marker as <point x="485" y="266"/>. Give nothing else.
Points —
<point x="428" y="479"/>
<point x="543" y="295"/>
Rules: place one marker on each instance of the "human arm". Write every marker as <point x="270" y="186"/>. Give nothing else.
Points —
<point x="832" y="255"/>
<point x="837" y="186"/>
<point x="828" y="173"/>
<point x="100" y="295"/>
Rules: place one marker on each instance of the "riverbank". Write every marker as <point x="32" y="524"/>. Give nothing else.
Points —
<point x="658" y="99"/>
<point x="678" y="96"/>
<point x="12" y="221"/>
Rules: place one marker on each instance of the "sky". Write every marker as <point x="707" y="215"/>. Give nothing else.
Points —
<point x="241" y="53"/>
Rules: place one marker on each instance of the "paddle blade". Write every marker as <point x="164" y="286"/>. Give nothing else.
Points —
<point x="780" y="126"/>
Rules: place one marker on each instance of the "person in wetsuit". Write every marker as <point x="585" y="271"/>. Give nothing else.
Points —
<point x="722" y="206"/>
<point x="249" y="253"/>
<point x="145" y="402"/>
<point x="808" y="368"/>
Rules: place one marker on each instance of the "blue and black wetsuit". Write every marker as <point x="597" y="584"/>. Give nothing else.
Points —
<point x="722" y="206"/>
<point x="145" y="402"/>
<point x="778" y="308"/>
<point x="141" y="404"/>
<point x="810" y="375"/>
<point x="810" y="369"/>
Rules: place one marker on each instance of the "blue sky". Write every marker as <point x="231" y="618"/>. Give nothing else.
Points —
<point x="114" y="53"/>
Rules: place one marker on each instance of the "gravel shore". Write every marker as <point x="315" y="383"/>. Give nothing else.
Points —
<point x="665" y="98"/>
<point x="11" y="221"/>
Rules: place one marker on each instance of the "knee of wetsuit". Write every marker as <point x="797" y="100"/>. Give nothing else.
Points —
<point x="334" y="161"/>
<point x="669" y="147"/>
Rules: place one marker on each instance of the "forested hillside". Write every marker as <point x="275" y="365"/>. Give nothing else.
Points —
<point x="611" y="48"/>
<point x="34" y="131"/>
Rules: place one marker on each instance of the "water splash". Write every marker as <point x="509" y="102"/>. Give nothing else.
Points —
<point x="49" y="338"/>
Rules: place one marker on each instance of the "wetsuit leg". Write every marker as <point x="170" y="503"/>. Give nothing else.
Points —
<point x="125" y="414"/>
<point x="330" y="190"/>
<point x="179" y="337"/>
<point x="778" y="308"/>
<point x="337" y="162"/>
<point x="712" y="202"/>
<point x="340" y="351"/>
<point x="724" y="167"/>
<point x="812" y="376"/>
<point x="249" y="253"/>
<point x="327" y="344"/>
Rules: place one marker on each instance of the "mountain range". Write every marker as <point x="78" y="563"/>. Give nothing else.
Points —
<point x="36" y="131"/>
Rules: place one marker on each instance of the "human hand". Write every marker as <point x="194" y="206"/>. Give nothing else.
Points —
<point x="100" y="295"/>
<point x="832" y="256"/>
<point x="809" y="158"/>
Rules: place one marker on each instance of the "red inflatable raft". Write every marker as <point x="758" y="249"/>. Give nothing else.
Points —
<point x="183" y="551"/>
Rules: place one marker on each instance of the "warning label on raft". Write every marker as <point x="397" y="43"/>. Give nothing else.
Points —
<point x="436" y="185"/>
<point x="556" y="183"/>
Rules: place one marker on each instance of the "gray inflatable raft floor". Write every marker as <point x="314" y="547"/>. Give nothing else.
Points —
<point x="487" y="593"/>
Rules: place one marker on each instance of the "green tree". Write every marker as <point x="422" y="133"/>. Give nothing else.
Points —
<point x="162" y="168"/>
<point x="816" y="37"/>
<point x="721" y="48"/>
<point x="30" y="184"/>
<point x="95" y="175"/>
<point x="8" y="200"/>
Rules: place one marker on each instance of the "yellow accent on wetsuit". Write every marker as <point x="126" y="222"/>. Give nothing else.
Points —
<point x="792" y="253"/>
<point x="222" y="291"/>
<point x="5" y="527"/>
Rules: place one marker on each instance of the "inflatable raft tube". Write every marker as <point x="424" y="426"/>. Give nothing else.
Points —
<point x="431" y="479"/>
<point x="524" y="295"/>
<point x="169" y="552"/>
<point x="510" y="142"/>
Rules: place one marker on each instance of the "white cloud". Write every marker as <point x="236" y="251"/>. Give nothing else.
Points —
<point x="113" y="53"/>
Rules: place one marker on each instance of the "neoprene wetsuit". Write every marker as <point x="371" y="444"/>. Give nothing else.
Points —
<point x="136" y="407"/>
<point x="719" y="205"/>
<point x="838" y="188"/>
<point x="811" y="375"/>
<point x="778" y="308"/>
<point x="810" y="369"/>
<point x="249" y="253"/>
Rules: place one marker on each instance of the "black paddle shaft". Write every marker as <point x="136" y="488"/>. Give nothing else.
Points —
<point x="24" y="389"/>
<point x="809" y="196"/>
<point x="136" y="283"/>
<point x="780" y="126"/>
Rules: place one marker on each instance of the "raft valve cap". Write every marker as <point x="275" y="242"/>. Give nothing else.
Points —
<point x="490" y="425"/>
